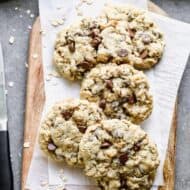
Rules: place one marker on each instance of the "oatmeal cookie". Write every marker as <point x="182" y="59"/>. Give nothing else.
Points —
<point x="146" y="38"/>
<point x="119" y="155"/>
<point x="120" y="90"/>
<point x="75" y="49"/>
<point x="63" y="127"/>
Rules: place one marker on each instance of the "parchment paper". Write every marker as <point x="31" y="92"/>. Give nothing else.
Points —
<point x="164" y="80"/>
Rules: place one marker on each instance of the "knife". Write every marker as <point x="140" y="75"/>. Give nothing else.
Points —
<point x="6" y="175"/>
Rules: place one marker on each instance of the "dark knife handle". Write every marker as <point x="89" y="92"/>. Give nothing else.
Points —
<point x="6" y="175"/>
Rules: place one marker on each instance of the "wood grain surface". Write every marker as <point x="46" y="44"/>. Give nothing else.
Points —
<point x="35" y="100"/>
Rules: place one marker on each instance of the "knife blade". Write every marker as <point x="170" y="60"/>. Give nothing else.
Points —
<point x="6" y="175"/>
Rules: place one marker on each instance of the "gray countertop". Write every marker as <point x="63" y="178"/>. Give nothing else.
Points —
<point x="17" y="23"/>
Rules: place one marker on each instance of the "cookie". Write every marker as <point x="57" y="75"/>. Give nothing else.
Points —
<point x="120" y="90"/>
<point x="119" y="155"/>
<point x="64" y="126"/>
<point x="146" y="38"/>
<point x="75" y="49"/>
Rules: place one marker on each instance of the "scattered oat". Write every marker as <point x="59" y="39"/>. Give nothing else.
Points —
<point x="89" y="2"/>
<point x="54" y="74"/>
<point x="11" y="40"/>
<point x="20" y="16"/>
<point x="54" y="23"/>
<point x="29" y="27"/>
<point x="16" y="8"/>
<point x="6" y="92"/>
<point x="26" y="144"/>
<point x="28" y="11"/>
<point x="35" y="56"/>
<point x="44" y="183"/>
<point x="11" y="84"/>
<point x="58" y="22"/>
<point x="31" y="15"/>
<point x="26" y="64"/>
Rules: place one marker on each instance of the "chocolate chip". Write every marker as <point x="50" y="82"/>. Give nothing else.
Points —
<point x="82" y="129"/>
<point x="71" y="46"/>
<point x="96" y="42"/>
<point x="102" y="104"/>
<point x="131" y="32"/>
<point x="123" y="158"/>
<point x="122" y="53"/>
<point x="67" y="114"/>
<point x="105" y="144"/>
<point x="144" y="54"/>
<point x="85" y="65"/>
<point x="71" y="43"/>
<point x="51" y="147"/>
<point x="146" y="39"/>
<point x="95" y="32"/>
<point x="132" y="99"/>
<point x="137" y="147"/>
<point x="109" y="84"/>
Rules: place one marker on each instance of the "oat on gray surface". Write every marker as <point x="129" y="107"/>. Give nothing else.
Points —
<point x="120" y="90"/>
<point x="63" y="127"/>
<point x="119" y="155"/>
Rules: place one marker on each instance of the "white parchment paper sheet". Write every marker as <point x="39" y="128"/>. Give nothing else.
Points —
<point x="164" y="81"/>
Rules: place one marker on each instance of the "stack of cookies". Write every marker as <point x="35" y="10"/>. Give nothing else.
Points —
<point x="100" y="132"/>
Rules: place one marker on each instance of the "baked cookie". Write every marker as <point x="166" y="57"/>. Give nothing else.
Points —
<point x="75" y="49"/>
<point x="63" y="127"/>
<point x="119" y="155"/>
<point x="120" y="90"/>
<point x="147" y="39"/>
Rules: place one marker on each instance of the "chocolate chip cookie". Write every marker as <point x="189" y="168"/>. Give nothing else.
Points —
<point x="119" y="155"/>
<point x="64" y="126"/>
<point x="146" y="38"/>
<point x="120" y="90"/>
<point x="75" y="49"/>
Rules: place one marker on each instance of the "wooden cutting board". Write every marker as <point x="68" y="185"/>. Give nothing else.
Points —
<point x="35" y="100"/>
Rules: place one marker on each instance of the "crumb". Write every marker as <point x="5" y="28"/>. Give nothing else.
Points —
<point x="11" y="84"/>
<point x="44" y="183"/>
<point x="35" y="55"/>
<point x="60" y="21"/>
<point x="28" y="11"/>
<point x="54" y="23"/>
<point x="29" y="27"/>
<point x="31" y="15"/>
<point x="26" y="144"/>
<point x="20" y="16"/>
<point x="11" y="40"/>
<point x="26" y="64"/>
<point x="16" y="8"/>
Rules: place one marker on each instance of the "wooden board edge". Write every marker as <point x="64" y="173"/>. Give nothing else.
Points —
<point x="35" y="41"/>
<point x="35" y="97"/>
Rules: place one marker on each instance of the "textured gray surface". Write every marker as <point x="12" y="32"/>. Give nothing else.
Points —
<point x="16" y="55"/>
